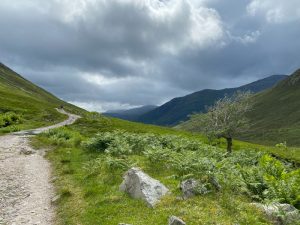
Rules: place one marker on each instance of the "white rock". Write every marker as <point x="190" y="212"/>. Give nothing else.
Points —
<point x="173" y="220"/>
<point x="280" y="213"/>
<point x="140" y="185"/>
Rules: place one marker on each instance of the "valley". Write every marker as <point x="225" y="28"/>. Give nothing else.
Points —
<point x="90" y="153"/>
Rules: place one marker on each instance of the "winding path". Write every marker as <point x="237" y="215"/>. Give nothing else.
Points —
<point x="25" y="179"/>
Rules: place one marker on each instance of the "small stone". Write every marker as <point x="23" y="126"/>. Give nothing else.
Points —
<point x="173" y="220"/>
<point x="27" y="151"/>
<point x="124" y="224"/>
<point x="215" y="183"/>
<point x="188" y="188"/>
<point x="53" y="179"/>
<point x="55" y="199"/>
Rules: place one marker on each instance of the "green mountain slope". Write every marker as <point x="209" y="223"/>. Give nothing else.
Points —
<point x="276" y="114"/>
<point x="34" y="105"/>
<point x="275" y="117"/>
<point x="178" y="109"/>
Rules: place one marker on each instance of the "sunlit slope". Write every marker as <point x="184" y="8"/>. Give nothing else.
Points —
<point x="276" y="114"/>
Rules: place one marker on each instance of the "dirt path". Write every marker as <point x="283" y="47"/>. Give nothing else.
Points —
<point x="25" y="187"/>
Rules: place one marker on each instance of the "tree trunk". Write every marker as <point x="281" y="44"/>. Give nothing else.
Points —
<point x="229" y="144"/>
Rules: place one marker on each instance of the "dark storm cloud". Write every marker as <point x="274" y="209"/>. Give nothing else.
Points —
<point x="107" y="54"/>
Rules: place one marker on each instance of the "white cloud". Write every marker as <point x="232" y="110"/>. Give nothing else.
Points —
<point x="249" y="38"/>
<point x="275" y="11"/>
<point x="101" y="106"/>
<point x="174" y="24"/>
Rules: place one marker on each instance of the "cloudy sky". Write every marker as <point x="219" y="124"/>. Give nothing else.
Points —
<point x="109" y="54"/>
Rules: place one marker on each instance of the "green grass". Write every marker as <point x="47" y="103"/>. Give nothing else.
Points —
<point x="34" y="105"/>
<point x="97" y="199"/>
<point x="90" y="196"/>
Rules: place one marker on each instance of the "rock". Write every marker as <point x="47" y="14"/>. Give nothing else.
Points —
<point x="188" y="188"/>
<point x="173" y="220"/>
<point x="215" y="183"/>
<point x="27" y="151"/>
<point x="55" y="199"/>
<point x="124" y="224"/>
<point x="192" y="187"/>
<point x="280" y="213"/>
<point x="53" y="179"/>
<point x="140" y="185"/>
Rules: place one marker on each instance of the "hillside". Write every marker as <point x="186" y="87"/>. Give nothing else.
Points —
<point x="276" y="114"/>
<point x="275" y="117"/>
<point x="30" y="104"/>
<point x="178" y="109"/>
<point x="130" y="114"/>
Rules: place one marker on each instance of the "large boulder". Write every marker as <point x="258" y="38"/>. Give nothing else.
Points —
<point x="140" y="185"/>
<point x="280" y="213"/>
<point x="173" y="220"/>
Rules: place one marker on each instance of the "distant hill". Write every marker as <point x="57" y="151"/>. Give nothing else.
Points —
<point x="178" y="109"/>
<point x="36" y="105"/>
<point x="130" y="114"/>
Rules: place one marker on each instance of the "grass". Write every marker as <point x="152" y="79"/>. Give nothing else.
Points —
<point x="97" y="199"/>
<point x="90" y="197"/>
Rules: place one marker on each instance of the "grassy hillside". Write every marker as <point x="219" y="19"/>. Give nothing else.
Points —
<point x="25" y="105"/>
<point x="178" y="109"/>
<point x="90" y="157"/>
<point x="275" y="117"/>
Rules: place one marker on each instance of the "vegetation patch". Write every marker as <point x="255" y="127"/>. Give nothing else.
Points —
<point x="92" y="172"/>
<point x="9" y="121"/>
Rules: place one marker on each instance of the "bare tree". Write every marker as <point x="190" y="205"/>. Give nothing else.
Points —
<point x="226" y="118"/>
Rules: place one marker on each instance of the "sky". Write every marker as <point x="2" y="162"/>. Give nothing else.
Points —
<point x="116" y="54"/>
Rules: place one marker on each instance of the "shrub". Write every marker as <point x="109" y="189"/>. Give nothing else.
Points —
<point x="189" y="163"/>
<point x="98" y="143"/>
<point x="281" y="145"/>
<point x="63" y="136"/>
<point x="158" y="155"/>
<point x="9" y="118"/>
<point x="107" y="163"/>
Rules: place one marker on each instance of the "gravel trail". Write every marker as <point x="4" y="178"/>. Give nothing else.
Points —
<point x="25" y="179"/>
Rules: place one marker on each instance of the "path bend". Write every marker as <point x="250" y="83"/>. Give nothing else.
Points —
<point x="25" y="179"/>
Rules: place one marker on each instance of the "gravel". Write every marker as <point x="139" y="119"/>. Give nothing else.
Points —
<point x="26" y="189"/>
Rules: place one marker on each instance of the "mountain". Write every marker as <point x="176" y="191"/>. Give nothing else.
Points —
<point x="130" y="114"/>
<point x="275" y="117"/>
<point x="35" y="105"/>
<point x="178" y="109"/>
